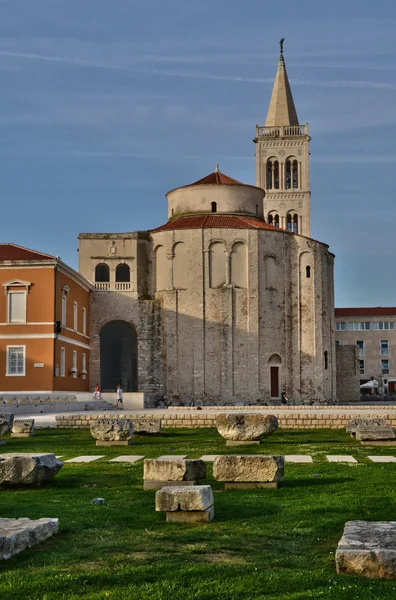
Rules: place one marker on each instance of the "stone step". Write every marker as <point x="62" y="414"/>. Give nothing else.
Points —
<point x="99" y="405"/>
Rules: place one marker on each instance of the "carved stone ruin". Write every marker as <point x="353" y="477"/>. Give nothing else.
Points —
<point x="112" y="432"/>
<point x="18" y="534"/>
<point x="28" y="468"/>
<point x="186" y="504"/>
<point x="372" y="432"/>
<point x="22" y="429"/>
<point x="146" y="426"/>
<point x="6" y="422"/>
<point x="249" y="471"/>
<point x="368" y="548"/>
<point x="245" y="428"/>
<point x="158" y="473"/>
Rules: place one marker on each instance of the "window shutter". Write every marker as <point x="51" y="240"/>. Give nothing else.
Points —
<point x="17" y="307"/>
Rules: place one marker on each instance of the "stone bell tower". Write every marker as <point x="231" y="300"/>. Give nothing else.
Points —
<point x="282" y="160"/>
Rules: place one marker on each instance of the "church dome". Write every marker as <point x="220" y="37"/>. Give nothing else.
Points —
<point x="216" y="193"/>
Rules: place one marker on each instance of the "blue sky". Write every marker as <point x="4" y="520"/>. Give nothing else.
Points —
<point x="106" y="105"/>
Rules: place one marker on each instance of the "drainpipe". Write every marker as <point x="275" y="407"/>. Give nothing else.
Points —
<point x="56" y="335"/>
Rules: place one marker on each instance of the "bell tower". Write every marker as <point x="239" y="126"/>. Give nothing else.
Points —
<point x="282" y="160"/>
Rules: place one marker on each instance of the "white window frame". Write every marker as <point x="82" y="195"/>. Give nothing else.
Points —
<point x="84" y="321"/>
<point x="361" y="349"/>
<point x="74" y="364"/>
<point x="9" y="305"/>
<point x="83" y="365"/>
<point x="64" y="311"/>
<point x="65" y="293"/>
<point x="385" y="351"/>
<point x="63" y="362"/>
<point x="8" y="374"/>
<point x="75" y="316"/>
<point x="385" y="371"/>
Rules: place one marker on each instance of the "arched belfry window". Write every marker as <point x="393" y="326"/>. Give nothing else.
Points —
<point x="272" y="174"/>
<point x="123" y="273"/>
<point x="270" y="219"/>
<point x="295" y="223"/>
<point x="214" y="207"/>
<point x="276" y="220"/>
<point x="292" y="222"/>
<point x="291" y="174"/>
<point x="102" y="273"/>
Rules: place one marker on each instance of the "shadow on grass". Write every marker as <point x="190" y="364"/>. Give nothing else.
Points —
<point x="314" y="481"/>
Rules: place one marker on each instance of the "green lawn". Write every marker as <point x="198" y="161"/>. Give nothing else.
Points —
<point x="276" y="544"/>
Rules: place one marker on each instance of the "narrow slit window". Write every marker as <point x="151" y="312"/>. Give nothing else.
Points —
<point x="308" y="271"/>
<point x="214" y="207"/>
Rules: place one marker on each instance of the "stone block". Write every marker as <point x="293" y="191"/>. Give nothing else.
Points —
<point x="6" y="422"/>
<point x="375" y="433"/>
<point x="112" y="430"/>
<point x="146" y="426"/>
<point x="18" y="534"/>
<point x="242" y="442"/>
<point x="23" y="428"/>
<point x="355" y="424"/>
<point x="191" y="516"/>
<point x="158" y="485"/>
<point x="28" y="468"/>
<point x="368" y="548"/>
<point x="114" y="443"/>
<point x="249" y="468"/>
<point x="173" y="470"/>
<point x="174" y="498"/>
<point x="245" y="426"/>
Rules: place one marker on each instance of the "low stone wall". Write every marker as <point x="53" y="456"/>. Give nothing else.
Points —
<point x="289" y="418"/>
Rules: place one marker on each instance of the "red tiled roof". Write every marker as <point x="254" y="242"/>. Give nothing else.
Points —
<point x="372" y="311"/>
<point x="14" y="252"/>
<point x="217" y="177"/>
<point x="214" y="221"/>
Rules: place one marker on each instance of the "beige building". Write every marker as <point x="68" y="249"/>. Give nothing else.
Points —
<point x="373" y="331"/>
<point x="228" y="301"/>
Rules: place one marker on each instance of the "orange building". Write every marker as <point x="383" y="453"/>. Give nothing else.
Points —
<point x="44" y="324"/>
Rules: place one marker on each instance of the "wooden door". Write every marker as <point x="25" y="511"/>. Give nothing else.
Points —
<point x="274" y="382"/>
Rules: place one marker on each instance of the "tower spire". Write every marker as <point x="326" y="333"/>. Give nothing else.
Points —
<point x="281" y="109"/>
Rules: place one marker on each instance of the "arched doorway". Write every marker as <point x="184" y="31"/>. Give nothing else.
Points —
<point x="118" y="357"/>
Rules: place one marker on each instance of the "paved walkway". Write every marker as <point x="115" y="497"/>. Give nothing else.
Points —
<point x="290" y="458"/>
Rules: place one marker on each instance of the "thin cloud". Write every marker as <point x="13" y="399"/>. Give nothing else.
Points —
<point x="79" y="62"/>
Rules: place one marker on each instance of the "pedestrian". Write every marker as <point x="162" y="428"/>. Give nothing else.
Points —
<point x="119" y="397"/>
<point x="284" y="400"/>
<point x="96" y="395"/>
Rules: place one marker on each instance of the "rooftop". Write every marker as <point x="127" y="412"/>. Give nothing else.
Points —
<point x="214" y="178"/>
<point x="372" y="311"/>
<point x="9" y="252"/>
<point x="216" y="221"/>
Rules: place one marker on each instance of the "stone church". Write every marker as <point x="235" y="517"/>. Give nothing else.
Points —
<point x="231" y="299"/>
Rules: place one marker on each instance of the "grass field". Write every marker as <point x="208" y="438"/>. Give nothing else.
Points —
<point x="275" y="544"/>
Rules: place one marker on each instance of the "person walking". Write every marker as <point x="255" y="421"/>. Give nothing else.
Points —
<point x="96" y="395"/>
<point x="284" y="400"/>
<point x="119" y="397"/>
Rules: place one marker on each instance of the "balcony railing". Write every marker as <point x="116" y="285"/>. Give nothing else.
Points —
<point x="119" y="286"/>
<point x="282" y="131"/>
